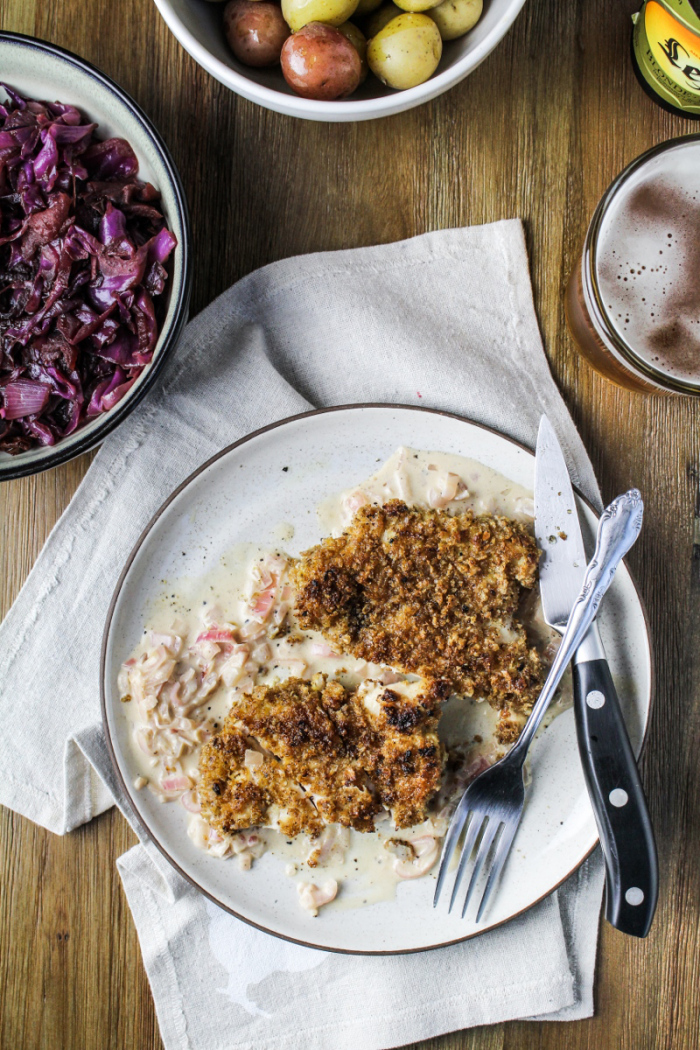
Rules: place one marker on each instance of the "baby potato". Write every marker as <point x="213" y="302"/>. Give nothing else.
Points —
<point x="365" y="7"/>
<point x="319" y="62"/>
<point x="255" y="30"/>
<point x="354" y="35"/>
<point x="298" y="13"/>
<point x="417" y="5"/>
<point x="380" y="18"/>
<point x="406" y="52"/>
<point x="456" y="17"/>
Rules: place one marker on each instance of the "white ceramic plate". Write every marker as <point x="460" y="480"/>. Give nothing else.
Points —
<point x="241" y="495"/>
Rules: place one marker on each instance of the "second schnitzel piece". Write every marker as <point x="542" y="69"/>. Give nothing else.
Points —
<point x="298" y="755"/>
<point x="403" y="756"/>
<point x="292" y="720"/>
<point x="428" y="593"/>
<point x="240" y="787"/>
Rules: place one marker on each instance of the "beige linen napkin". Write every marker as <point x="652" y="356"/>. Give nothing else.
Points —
<point x="444" y="320"/>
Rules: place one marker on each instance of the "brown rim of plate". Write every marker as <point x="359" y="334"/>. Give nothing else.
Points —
<point x="145" y="831"/>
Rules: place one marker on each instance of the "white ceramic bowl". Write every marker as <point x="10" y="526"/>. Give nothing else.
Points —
<point x="42" y="70"/>
<point x="197" y="24"/>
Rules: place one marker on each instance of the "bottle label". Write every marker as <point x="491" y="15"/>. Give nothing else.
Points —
<point x="668" y="55"/>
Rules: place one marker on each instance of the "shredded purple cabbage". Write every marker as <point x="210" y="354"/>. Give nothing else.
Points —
<point x="83" y="246"/>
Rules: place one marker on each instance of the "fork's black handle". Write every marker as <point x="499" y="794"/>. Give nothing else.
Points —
<point x="620" y="808"/>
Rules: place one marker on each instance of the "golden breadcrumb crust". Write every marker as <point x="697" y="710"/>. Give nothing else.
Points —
<point x="234" y="797"/>
<point x="428" y="593"/>
<point x="404" y="756"/>
<point x="328" y="758"/>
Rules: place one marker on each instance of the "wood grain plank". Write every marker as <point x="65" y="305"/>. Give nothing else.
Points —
<point x="538" y="131"/>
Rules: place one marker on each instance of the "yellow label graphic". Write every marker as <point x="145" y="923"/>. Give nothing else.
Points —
<point x="675" y="48"/>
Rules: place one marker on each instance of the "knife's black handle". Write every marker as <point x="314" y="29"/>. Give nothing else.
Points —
<point x="620" y="808"/>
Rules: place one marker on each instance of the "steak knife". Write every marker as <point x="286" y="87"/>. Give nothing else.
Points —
<point x="609" y="767"/>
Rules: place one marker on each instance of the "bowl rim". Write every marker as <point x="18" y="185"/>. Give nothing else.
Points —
<point x="348" y="109"/>
<point x="143" y="830"/>
<point x="66" y="450"/>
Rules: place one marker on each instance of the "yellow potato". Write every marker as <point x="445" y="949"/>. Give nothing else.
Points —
<point x="298" y="13"/>
<point x="456" y="17"/>
<point x="417" y="5"/>
<point x="406" y="52"/>
<point x="380" y="19"/>
<point x="365" y="7"/>
<point x="354" y="35"/>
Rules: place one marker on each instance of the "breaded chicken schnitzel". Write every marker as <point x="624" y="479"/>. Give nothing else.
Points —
<point x="428" y="593"/>
<point x="326" y="755"/>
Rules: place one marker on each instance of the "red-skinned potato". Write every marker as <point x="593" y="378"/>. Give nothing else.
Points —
<point x="318" y="62"/>
<point x="354" y="35"/>
<point x="255" y="31"/>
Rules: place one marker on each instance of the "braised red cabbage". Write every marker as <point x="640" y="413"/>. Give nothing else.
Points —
<point x="83" y="247"/>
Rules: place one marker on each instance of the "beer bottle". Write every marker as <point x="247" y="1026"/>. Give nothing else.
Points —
<point x="666" y="53"/>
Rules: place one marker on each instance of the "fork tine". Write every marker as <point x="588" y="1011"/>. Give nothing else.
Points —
<point x="484" y="847"/>
<point x="470" y="838"/>
<point x="454" y="831"/>
<point x="500" y="857"/>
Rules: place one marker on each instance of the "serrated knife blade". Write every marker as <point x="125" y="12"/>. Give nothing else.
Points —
<point x="557" y="530"/>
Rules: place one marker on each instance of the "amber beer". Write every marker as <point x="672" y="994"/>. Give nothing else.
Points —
<point x="633" y="299"/>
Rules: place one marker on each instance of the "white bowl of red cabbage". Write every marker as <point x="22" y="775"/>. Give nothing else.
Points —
<point x="94" y="259"/>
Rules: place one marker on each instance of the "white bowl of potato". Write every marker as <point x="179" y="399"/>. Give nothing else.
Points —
<point x="339" y="60"/>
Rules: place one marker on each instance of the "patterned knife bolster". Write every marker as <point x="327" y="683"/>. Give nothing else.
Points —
<point x="618" y="801"/>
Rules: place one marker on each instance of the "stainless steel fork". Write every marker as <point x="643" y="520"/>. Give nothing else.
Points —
<point x="492" y="805"/>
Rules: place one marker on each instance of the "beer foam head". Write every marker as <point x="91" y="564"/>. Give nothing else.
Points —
<point x="648" y="262"/>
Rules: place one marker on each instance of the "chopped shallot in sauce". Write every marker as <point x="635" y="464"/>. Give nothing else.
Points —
<point x="313" y="897"/>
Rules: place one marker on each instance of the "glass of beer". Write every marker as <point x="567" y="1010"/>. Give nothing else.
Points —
<point x="633" y="299"/>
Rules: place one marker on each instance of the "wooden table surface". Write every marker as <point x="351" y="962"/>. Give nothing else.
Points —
<point x="538" y="131"/>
